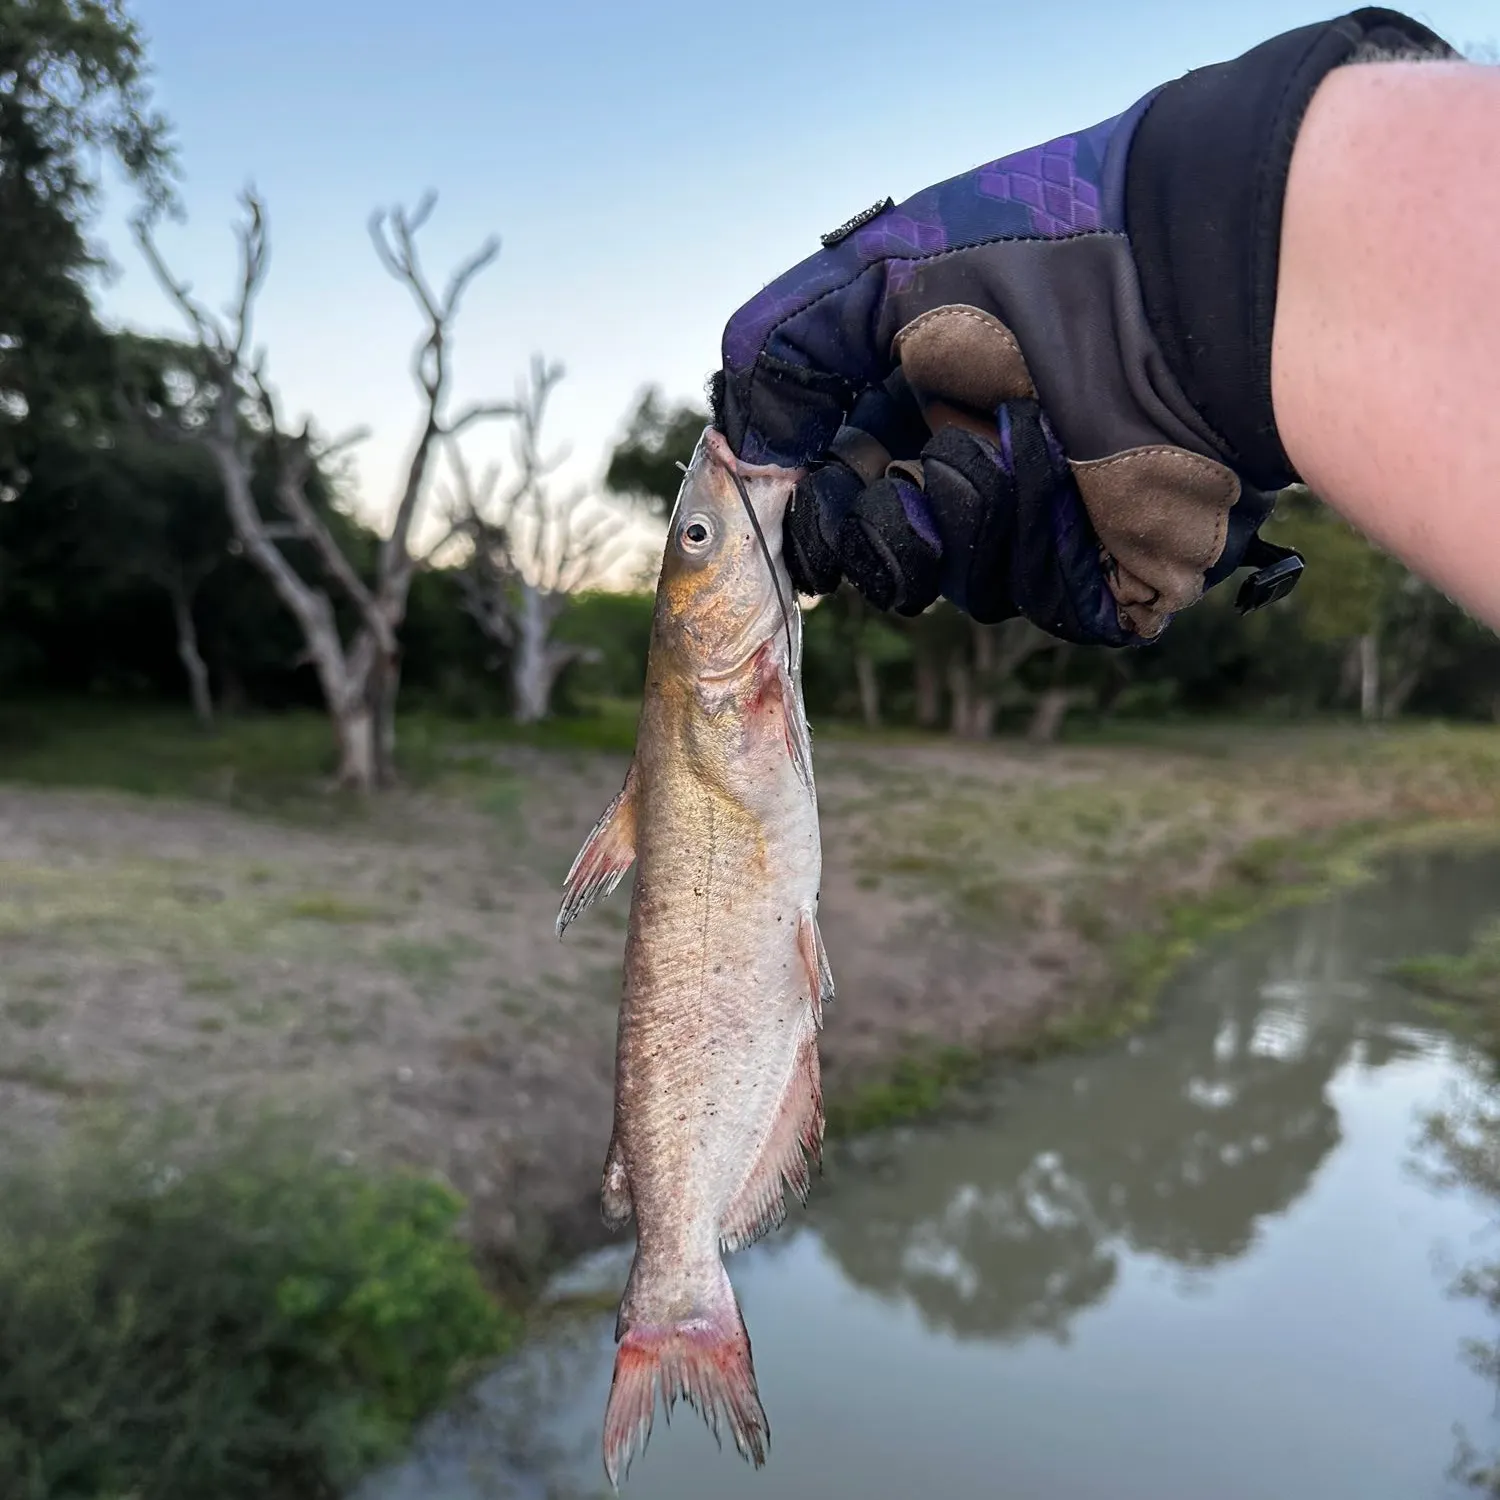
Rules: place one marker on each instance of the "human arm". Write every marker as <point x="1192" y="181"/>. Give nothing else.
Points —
<point x="1386" y="354"/>
<point x="1045" y="387"/>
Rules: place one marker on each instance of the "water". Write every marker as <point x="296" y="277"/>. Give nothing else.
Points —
<point x="1209" y="1262"/>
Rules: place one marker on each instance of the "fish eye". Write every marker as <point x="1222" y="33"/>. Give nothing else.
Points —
<point x="695" y="534"/>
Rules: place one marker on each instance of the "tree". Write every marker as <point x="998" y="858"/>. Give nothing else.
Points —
<point x="72" y="90"/>
<point x="643" y="465"/>
<point x="530" y="551"/>
<point x="150" y="512"/>
<point x="1351" y="585"/>
<point x="234" y="414"/>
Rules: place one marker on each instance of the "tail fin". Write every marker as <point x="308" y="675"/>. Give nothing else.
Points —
<point x="704" y="1358"/>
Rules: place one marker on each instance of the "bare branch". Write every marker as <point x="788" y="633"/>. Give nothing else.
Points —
<point x="467" y="270"/>
<point x="394" y="234"/>
<point x="255" y="255"/>
<point x="295" y="463"/>
<point x="480" y="412"/>
<point x="333" y="447"/>
<point x="208" y="336"/>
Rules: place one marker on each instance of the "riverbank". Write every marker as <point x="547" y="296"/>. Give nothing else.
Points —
<point x="393" y="973"/>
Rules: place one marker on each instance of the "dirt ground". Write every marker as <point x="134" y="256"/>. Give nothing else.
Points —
<point x="398" y="976"/>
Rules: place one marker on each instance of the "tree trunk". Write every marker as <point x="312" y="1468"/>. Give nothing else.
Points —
<point x="385" y="687"/>
<point x="984" y="701"/>
<point x="1051" y="709"/>
<point x="189" y="654"/>
<point x="354" y="730"/>
<point x="960" y="695"/>
<point x="869" y="687"/>
<point x="1369" y="677"/>
<point x="1393" y="705"/>
<point x="927" y="682"/>
<point x="531" y="672"/>
<point x="346" y="683"/>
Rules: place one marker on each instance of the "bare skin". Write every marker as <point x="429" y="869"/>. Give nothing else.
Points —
<point x="1386" y="356"/>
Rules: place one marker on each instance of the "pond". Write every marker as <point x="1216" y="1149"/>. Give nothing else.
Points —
<point x="1215" y="1260"/>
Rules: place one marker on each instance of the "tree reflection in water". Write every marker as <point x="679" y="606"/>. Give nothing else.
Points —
<point x="1179" y="1146"/>
<point x="1461" y="1150"/>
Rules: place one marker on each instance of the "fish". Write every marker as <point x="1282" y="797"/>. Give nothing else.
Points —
<point x="718" y="1097"/>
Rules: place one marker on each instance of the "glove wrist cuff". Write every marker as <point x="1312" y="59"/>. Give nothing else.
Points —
<point x="1204" y="190"/>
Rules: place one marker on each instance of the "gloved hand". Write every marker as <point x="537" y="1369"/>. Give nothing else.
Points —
<point x="1044" y="387"/>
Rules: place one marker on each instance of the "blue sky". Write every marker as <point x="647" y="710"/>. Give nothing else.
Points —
<point x="648" y="166"/>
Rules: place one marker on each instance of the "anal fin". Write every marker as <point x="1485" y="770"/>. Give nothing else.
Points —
<point x="786" y="1158"/>
<point x="615" y="1207"/>
<point x="607" y="853"/>
<point x="815" y="961"/>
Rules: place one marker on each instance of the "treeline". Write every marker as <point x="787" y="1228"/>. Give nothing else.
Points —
<point x="118" y="566"/>
<point x="1360" y="635"/>
<point x="166" y="533"/>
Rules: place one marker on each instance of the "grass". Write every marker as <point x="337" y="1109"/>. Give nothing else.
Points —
<point x="1463" y="988"/>
<point x="1094" y="841"/>
<point x="1265" y="876"/>
<point x="267" y="763"/>
<point x="28" y="1012"/>
<point x="919" y="1084"/>
<point x="155" y="906"/>
<point x="325" y="906"/>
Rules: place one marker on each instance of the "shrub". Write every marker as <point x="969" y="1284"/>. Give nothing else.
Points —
<point x="259" y="1326"/>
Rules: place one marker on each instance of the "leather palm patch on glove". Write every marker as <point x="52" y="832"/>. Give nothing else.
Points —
<point x="1160" y="512"/>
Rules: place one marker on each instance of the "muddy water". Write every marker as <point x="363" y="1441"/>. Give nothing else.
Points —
<point x="1210" y="1262"/>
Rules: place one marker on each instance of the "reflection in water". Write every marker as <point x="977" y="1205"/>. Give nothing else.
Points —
<point x="1251" y="1147"/>
<point x="1461" y="1150"/>
<point x="1181" y="1153"/>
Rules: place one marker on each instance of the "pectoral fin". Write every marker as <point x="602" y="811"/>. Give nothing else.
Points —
<point x="798" y="735"/>
<point x="778" y="688"/>
<point x="815" y="962"/>
<point x="607" y="853"/>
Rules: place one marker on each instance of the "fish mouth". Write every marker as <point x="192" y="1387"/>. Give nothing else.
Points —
<point x="719" y="449"/>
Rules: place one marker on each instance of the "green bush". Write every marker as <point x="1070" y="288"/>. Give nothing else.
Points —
<point x="261" y="1325"/>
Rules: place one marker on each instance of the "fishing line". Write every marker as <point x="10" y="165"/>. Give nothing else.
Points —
<point x="760" y="536"/>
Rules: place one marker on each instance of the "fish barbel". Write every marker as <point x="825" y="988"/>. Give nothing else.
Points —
<point x="718" y="1104"/>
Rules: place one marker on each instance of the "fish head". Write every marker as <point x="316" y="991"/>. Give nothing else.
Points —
<point x="718" y="601"/>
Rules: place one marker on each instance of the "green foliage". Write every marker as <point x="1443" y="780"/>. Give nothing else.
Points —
<point x="918" y="1084"/>
<point x="617" y="627"/>
<point x="72" y="90"/>
<point x="1465" y="987"/>
<point x="1349" y="579"/>
<point x="257" y="1325"/>
<point x="643" y="466"/>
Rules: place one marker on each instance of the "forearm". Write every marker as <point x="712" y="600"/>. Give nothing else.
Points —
<point x="1386" y="351"/>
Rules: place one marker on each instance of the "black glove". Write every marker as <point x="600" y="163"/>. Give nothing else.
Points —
<point x="1123" y="282"/>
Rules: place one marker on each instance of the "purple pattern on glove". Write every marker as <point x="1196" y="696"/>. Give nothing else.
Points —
<point x="1007" y="453"/>
<point x="824" y="312"/>
<point x="919" y="514"/>
<point x="1044" y="180"/>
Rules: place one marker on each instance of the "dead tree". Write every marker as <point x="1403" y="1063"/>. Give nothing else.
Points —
<point x="529" y="551"/>
<point x="239" y="421"/>
<point x="181" y="586"/>
<point x="983" y="680"/>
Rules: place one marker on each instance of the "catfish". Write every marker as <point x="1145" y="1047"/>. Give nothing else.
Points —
<point x="718" y="1101"/>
